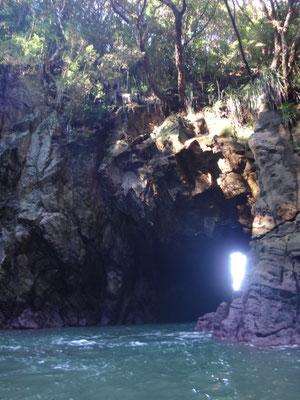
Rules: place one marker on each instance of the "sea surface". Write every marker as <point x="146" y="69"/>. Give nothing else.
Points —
<point x="147" y="362"/>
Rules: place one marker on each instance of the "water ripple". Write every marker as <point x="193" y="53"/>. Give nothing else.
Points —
<point x="169" y="362"/>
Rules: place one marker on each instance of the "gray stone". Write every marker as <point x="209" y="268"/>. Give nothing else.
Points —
<point x="266" y="310"/>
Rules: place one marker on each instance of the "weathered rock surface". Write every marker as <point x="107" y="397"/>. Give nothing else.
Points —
<point x="81" y="212"/>
<point x="267" y="309"/>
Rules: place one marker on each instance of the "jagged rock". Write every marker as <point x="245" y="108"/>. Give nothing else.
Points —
<point x="267" y="309"/>
<point x="205" y="323"/>
<point x="211" y="321"/>
<point x="81" y="214"/>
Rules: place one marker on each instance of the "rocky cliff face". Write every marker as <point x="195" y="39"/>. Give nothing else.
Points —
<point x="267" y="309"/>
<point x="89" y="219"/>
<point x="83" y="213"/>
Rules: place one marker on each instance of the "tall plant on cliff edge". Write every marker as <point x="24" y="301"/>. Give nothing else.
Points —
<point x="267" y="88"/>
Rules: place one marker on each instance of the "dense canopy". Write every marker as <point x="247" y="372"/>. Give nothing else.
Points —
<point x="89" y="52"/>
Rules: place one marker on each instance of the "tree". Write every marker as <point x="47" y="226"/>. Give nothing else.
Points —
<point x="232" y="18"/>
<point x="132" y="13"/>
<point x="181" y="42"/>
<point x="178" y="15"/>
<point x="280" y="16"/>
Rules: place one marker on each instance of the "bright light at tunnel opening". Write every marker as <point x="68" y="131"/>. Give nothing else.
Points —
<point x="238" y="263"/>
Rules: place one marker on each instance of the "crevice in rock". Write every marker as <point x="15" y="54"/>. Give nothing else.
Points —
<point x="268" y="334"/>
<point x="259" y="237"/>
<point x="297" y="288"/>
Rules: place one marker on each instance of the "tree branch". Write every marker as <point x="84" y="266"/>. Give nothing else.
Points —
<point x="238" y="38"/>
<point x="198" y="32"/>
<point x="118" y="12"/>
<point x="272" y="19"/>
<point x="274" y="14"/>
<point x="183" y="7"/>
<point x="288" y="18"/>
<point x="265" y="10"/>
<point x="134" y="21"/>
<point x="141" y="14"/>
<point x="278" y="9"/>
<point x="233" y="4"/>
<point x="149" y="23"/>
<point x="171" y="5"/>
<point x="205" y="8"/>
<point x="244" y="12"/>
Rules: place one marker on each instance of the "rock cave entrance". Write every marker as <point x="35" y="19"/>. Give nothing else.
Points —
<point x="194" y="273"/>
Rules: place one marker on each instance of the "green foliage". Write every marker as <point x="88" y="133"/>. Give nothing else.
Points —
<point x="88" y="113"/>
<point x="22" y="51"/>
<point x="247" y="100"/>
<point x="270" y="85"/>
<point x="289" y="113"/>
<point x="79" y="78"/>
<point x="211" y="88"/>
<point x="57" y="52"/>
<point x="227" y="132"/>
<point x="81" y="51"/>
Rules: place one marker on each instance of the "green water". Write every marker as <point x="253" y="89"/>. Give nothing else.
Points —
<point x="151" y="362"/>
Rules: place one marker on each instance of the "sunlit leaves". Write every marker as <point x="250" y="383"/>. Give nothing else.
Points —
<point x="84" y="46"/>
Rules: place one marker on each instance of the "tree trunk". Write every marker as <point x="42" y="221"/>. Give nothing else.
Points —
<point x="150" y="79"/>
<point x="179" y="49"/>
<point x="179" y="61"/>
<point x="285" y="54"/>
<point x="277" y="51"/>
<point x="284" y="63"/>
<point x="293" y="51"/>
<point x="238" y="37"/>
<point x="147" y="69"/>
<point x="135" y="23"/>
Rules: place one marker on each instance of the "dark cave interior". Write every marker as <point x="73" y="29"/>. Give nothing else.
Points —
<point x="194" y="274"/>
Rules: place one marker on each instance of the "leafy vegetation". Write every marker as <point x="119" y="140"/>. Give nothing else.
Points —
<point x="87" y="53"/>
<point x="246" y="101"/>
<point x="289" y="113"/>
